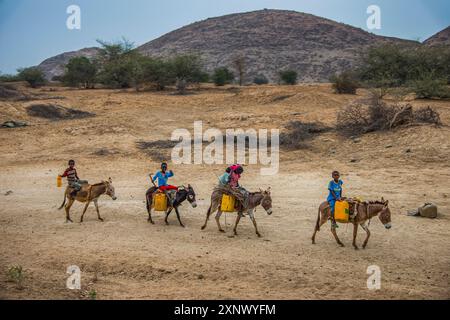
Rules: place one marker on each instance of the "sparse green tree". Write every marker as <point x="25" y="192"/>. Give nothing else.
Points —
<point x="33" y="75"/>
<point x="288" y="77"/>
<point x="222" y="76"/>
<point x="80" y="71"/>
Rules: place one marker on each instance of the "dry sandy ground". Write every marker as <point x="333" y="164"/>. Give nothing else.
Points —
<point x="127" y="258"/>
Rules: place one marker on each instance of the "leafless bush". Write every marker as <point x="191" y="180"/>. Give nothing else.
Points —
<point x="427" y="115"/>
<point x="375" y="115"/>
<point x="158" y="150"/>
<point x="299" y="133"/>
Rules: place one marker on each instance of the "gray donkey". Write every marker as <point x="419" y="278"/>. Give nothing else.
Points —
<point x="255" y="199"/>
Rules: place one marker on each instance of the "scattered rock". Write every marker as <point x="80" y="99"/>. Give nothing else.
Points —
<point x="388" y="146"/>
<point x="428" y="210"/>
<point x="356" y="140"/>
<point x="200" y="277"/>
<point x="7" y="193"/>
<point x="408" y="150"/>
<point x="14" y="124"/>
<point x="354" y="160"/>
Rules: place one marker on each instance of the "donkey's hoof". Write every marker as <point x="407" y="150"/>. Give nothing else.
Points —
<point x="341" y="245"/>
<point x="203" y="227"/>
<point x="69" y="220"/>
<point x="101" y="219"/>
<point x="356" y="248"/>
<point x="221" y="230"/>
<point x="259" y="235"/>
<point x="183" y="225"/>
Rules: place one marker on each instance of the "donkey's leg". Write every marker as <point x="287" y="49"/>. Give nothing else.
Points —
<point x="219" y="213"/>
<point x="363" y="225"/>
<point x="333" y="231"/>
<point x="84" y="211"/>
<point x="67" y="208"/>
<point x="355" y="232"/>
<point x="178" y="216"/>
<point x="207" y="218"/>
<point x="238" y="218"/>
<point x="212" y="208"/>
<point x="96" y="208"/>
<point x="250" y="213"/>
<point x="317" y="228"/>
<point x="167" y="215"/>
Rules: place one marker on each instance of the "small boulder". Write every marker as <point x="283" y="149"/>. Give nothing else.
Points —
<point x="428" y="210"/>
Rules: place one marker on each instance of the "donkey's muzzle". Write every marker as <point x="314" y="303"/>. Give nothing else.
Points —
<point x="194" y="204"/>
<point x="388" y="225"/>
<point x="269" y="211"/>
<point x="114" y="198"/>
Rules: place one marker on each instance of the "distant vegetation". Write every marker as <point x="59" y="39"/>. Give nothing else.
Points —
<point x="424" y="71"/>
<point x="222" y="76"/>
<point x="288" y="77"/>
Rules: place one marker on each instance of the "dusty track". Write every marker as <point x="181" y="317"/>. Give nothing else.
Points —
<point x="125" y="257"/>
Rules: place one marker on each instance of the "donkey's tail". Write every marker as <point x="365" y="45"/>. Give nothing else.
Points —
<point x="64" y="202"/>
<point x="318" y="220"/>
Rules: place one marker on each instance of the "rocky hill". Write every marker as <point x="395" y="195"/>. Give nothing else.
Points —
<point x="440" y="38"/>
<point x="54" y="66"/>
<point x="270" y="41"/>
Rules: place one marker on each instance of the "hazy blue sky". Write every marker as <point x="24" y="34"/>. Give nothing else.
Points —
<point x="33" y="30"/>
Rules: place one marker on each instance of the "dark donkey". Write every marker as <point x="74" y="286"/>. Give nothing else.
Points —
<point x="364" y="211"/>
<point x="181" y="195"/>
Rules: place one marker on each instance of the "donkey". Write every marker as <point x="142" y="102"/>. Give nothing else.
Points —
<point x="363" y="211"/>
<point x="88" y="193"/>
<point x="255" y="199"/>
<point x="181" y="195"/>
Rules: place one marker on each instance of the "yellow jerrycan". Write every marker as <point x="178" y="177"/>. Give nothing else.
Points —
<point x="59" y="181"/>
<point x="160" y="202"/>
<point x="341" y="211"/>
<point x="227" y="203"/>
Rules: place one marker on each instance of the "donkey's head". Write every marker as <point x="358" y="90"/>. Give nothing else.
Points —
<point x="190" y="196"/>
<point x="110" y="191"/>
<point x="266" y="201"/>
<point x="385" y="214"/>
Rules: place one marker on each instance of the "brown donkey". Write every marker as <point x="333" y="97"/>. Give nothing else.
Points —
<point x="88" y="193"/>
<point x="255" y="199"/>
<point x="364" y="211"/>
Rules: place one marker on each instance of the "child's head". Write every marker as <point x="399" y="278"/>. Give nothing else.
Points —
<point x="71" y="163"/>
<point x="335" y="175"/>
<point x="163" y="167"/>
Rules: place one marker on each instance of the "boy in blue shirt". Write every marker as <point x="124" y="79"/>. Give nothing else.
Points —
<point x="335" y="194"/>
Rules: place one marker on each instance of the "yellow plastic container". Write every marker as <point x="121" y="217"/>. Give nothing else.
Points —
<point x="227" y="203"/>
<point x="59" y="181"/>
<point x="341" y="211"/>
<point x="160" y="202"/>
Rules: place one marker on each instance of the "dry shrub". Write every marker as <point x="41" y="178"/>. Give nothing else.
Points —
<point x="370" y="115"/>
<point x="56" y="112"/>
<point x="158" y="150"/>
<point x="299" y="133"/>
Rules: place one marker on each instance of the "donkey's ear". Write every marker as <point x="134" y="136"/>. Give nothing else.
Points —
<point x="110" y="180"/>
<point x="260" y="190"/>
<point x="269" y="189"/>
<point x="386" y="203"/>
<point x="189" y="186"/>
<point x="382" y="199"/>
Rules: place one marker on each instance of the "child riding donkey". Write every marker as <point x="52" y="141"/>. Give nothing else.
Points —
<point x="162" y="177"/>
<point x="73" y="180"/>
<point x="231" y="179"/>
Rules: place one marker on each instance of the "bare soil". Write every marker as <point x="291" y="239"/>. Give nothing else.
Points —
<point x="125" y="257"/>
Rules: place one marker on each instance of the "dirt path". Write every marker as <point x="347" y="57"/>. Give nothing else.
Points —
<point x="127" y="258"/>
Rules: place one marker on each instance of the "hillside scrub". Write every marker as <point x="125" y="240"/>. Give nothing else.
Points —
<point x="422" y="70"/>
